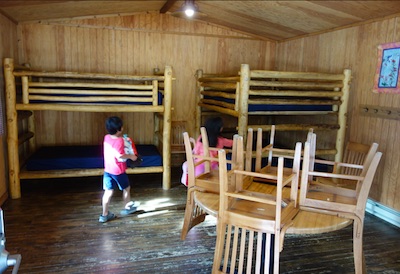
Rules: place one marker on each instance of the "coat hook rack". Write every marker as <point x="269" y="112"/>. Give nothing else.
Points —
<point x="380" y="112"/>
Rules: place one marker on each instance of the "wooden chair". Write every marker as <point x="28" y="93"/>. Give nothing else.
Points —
<point x="250" y="224"/>
<point x="207" y="182"/>
<point x="336" y="200"/>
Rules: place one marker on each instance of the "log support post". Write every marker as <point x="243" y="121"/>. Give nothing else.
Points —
<point x="12" y="129"/>
<point x="343" y="116"/>
<point x="167" y="128"/>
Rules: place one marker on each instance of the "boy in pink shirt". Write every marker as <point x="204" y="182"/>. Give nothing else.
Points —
<point x="115" y="170"/>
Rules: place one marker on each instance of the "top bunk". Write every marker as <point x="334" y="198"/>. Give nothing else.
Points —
<point x="85" y="92"/>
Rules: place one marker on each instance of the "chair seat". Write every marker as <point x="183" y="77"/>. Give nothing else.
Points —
<point x="262" y="213"/>
<point x="208" y="181"/>
<point x="307" y="222"/>
<point x="209" y="202"/>
<point x="331" y="197"/>
<point x="338" y="182"/>
<point x="213" y="175"/>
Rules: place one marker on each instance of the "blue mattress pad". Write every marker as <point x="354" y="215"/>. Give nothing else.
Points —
<point x="83" y="157"/>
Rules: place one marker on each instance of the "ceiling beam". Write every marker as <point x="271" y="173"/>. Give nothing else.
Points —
<point x="167" y="6"/>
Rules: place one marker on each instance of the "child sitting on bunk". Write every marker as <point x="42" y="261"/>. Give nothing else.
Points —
<point x="214" y="128"/>
<point x="115" y="170"/>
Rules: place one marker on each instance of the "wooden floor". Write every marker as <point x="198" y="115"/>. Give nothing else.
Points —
<point x="54" y="226"/>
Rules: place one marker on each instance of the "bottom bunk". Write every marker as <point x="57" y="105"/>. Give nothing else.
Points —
<point x="76" y="161"/>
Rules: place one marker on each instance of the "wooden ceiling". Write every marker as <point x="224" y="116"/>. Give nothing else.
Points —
<point x="269" y="20"/>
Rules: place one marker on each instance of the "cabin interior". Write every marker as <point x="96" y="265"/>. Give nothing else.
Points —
<point x="144" y="37"/>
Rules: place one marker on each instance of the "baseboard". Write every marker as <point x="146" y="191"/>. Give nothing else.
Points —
<point x="383" y="212"/>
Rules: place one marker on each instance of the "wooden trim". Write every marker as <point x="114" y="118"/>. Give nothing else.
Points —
<point x="383" y="212"/>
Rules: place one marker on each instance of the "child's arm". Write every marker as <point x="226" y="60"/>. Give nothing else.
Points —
<point x="133" y="157"/>
<point x="226" y="142"/>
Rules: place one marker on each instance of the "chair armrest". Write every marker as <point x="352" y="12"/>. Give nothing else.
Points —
<point x="338" y="164"/>
<point x="336" y="175"/>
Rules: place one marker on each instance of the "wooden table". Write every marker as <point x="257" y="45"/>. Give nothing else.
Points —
<point x="305" y="222"/>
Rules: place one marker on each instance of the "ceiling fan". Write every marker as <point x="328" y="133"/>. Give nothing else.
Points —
<point x="189" y="10"/>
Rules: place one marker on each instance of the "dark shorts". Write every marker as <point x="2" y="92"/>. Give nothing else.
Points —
<point x="110" y="181"/>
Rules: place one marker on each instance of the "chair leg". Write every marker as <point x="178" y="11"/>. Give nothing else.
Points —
<point x="193" y="216"/>
<point x="278" y="246"/>
<point x="359" y="260"/>
<point x="219" y="248"/>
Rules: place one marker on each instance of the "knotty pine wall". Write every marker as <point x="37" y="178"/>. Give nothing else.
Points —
<point x="356" y="48"/>
<point x="133" y="45"/>
<point x="8" y="48"/>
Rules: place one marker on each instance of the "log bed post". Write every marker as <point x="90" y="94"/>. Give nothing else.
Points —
<point x="12" y="129"/>
<point x="199" y="89"/>
<point x="343" y="115"/>
<point x="167" y="128"/>
<point x="243" y="100"/>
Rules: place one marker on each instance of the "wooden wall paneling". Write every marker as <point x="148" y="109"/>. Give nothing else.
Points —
<point x="60" y="48"/>
<point x="373" y="126"/>
<point x="311" y="63"/>
<point x="67" y="40"/>
<point x="395" y="188"/>
<point x="349" y="59"/>
<point x="391" y="130"/>
<point x="381" y="131"/>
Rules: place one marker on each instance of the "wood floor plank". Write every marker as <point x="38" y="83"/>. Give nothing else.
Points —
<point x="54" y="226"/>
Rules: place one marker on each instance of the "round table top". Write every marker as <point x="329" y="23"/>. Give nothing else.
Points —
<point x="305" y="222"/>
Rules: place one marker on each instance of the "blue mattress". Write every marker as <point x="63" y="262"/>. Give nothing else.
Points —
<point x="83" y="157"/>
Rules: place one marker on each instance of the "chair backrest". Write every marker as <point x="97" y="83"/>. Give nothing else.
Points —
<point x="206" y="148"/>
<point x="254" y="215"/>
<point x="356" y="153"/>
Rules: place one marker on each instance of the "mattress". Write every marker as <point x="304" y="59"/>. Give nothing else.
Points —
<point x="83" y="157"/>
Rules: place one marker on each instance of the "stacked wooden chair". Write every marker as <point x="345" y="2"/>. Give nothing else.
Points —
<point x="206" y="183"/>
<point x="251" y="225"/>
<point x="324" y="192"/>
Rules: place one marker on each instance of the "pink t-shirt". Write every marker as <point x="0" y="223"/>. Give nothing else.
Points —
<point x="221" y="143"/>
<point x="198" y="149"/>
<point x="113" y="149"/>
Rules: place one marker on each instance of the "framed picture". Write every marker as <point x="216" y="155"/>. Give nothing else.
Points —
<point x="387" y="73"/>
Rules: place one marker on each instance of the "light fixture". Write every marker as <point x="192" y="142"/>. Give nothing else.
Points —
<point x="189" y="7"/>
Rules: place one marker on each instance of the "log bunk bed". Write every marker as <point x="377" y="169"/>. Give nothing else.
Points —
<point x="28" y="91"/>
<point x="292" y="101"/>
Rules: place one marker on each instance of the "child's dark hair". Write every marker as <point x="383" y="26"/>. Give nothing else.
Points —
<point x="213" y="126"/>
<point x="113" y="124"/>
